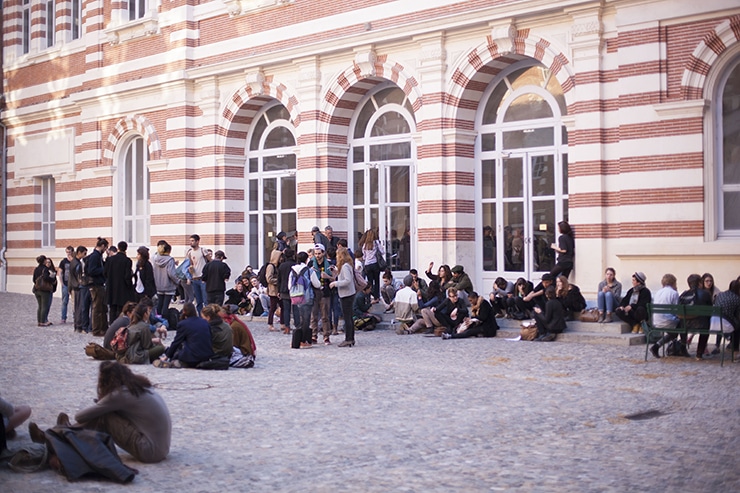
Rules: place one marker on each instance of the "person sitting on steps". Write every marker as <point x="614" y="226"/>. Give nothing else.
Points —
<point x="551" y="320"/>
<point x="633" y="307"/>
<point x="608" y="296"/>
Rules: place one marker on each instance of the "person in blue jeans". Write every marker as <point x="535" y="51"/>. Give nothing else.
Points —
<point x="197" y="257"/>
<point x="63" y="275"/>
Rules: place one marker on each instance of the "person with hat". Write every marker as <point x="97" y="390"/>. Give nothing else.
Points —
<point x="215" y="274"/>
<point x="633" y="307"/>
<point x="461" y="281"/>
<point x="537" y="295"/>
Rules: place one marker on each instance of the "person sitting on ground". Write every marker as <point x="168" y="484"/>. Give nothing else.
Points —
<point x="435" y="297"/>
<point x="387" y="290"/>
<point x="131" y="412"/>
<point x="666" y="295"/>
<point x="633" y="307"/>
<point x="142" y="347"/>
<point x="258" y="297"/>
<point x="482" y="321"/>
<point x="237" y="297"/>
<point x="363" y="319"/>
<point x="729" y="301"/>
<point x="551" y="320"/>
<point x="443" y="276"/>
<point x="244" y="351"/>
<point x="503" y="291"/>
<point x="123" y="320"/>
<point x="406" y="306"/>
<point x="222" y="339"/>
<point x="451" y="312"/>
<point x="570" y="297"/>
<point x="419" y="285"/>
<point x="13" y="417"/>
<point x="537" y="295"/>
<point x="192" y="344"/>
<point x="608" y="296"/>
<point x="461" y="281"/>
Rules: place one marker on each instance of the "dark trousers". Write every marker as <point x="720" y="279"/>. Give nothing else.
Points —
<point x="304" y="325"/>
<point x="349" y="326"/>
<point x="287" y="308"/>
<point x="633" y="317"/>
<point x="163" y="304"/>
<point x="274" y="301"/>
<point x="99" y="309"/>
<point x="215" y="297"/>
<point x="42" y="312"/>
<point x="372" y="272"/>
<point x="562" y="269"/>
<point x="82" y="309"/>
<point x="114" y="312"/>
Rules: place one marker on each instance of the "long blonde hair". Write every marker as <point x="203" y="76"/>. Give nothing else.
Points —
<point x="343" y="257"/>
<point x="368" y="239"/>
<point x="562" y="292"/>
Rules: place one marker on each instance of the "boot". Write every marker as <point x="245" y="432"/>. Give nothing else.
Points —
<point x="636" y="328"/>
<point x="655" y="350"/>
<point x="608" y="317"/>
<point x="601" y="317"/>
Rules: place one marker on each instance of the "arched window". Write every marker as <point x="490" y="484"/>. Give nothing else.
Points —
<point x="523" y="173"/>
<point x="382" y="185"/>
<point x="271" y="183"/>
<point x="728" y="152"/>
<point x="134" y="186"/>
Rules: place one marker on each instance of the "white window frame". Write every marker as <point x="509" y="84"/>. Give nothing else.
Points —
<point x="26" y="26"/>
<point x="76" y="6"/>
<point x="48" y="212"/>
<point x="721" y="188"/>
<point x="137" y="9"/>
<point x="126" y="177"/>
<point x="51" y="18"/>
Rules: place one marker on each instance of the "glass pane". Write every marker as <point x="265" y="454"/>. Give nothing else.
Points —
<point x="388" y="152"/>
<point x="513" y="179"/>
<point x="543" y="175"/>
<point x="374" y="221"/>
<point x="390" y="123"/>
<point x="128" y="202"/>
<point x="288" y="222"/>
<point x="527" y="76"/>
<point x="390" y="95"/>
<point x="528" y="107"/>
<point x="362" y="119"/>
<point x="400" y="238"/>
<point x="731" y="128"/>
<point x="494" y="102"/>
<point x="543" y="228"/>
<point x="270" y="228"/>
<point x="373" y="185"/>
<point x="140" y="178"/>
<point x="566" y="217"/>
<point x="278" y="112"/>
<point x="358" y="216"/>
<point x="564" y="135"/>
<point x="253" y="163"/>
<point x="52" y="234"/>
<point x="513" y="236"/>
<point x="358" y="154"/>
<point x="269" y="195"/>
<point x="489" y="239"/>
<point x="254" y="259"/>
<point x="279" y="162"/>
<point x="129" y="230"/>
<point x="565" y="174"/>
<point x="531" y="137"/>
<point x="399" y="184"/>
<point x="287" y="193"/>
<point x="259" y="128"/>
<point x="488" y="142"/>
<point x="279" y="137"/>
<point x="45" y="235"/>
<point x="358" y="187"/>
<point x="488" y="178"/>
<point x="732" y="210"/>
<point x="253" y="195"/>
<point x="141" y="229"/>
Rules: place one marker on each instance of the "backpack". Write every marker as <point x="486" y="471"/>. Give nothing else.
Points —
<point x="182" y="270"/>
<point x="360" y="282"/>
<point x="301" y="291"/>
<point x="119" y="344"/>
<point x="262" y="274"/>
<point x="173" y="318"/>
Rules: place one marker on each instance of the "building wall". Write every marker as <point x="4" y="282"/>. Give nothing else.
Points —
<point x="190" y="76"/>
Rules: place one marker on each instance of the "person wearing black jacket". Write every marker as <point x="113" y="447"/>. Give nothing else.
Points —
<point x="95" y="273"/>
<point x="633" y="307"/>
<point x="482" y="321"/>
<point x="451" y="312"/>
<point x="551" y="320"/>
<point x="215" y="275"/>
<point x="119" y="287"/>
<point x="284" y="293"/>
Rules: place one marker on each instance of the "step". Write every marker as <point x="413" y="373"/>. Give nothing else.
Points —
<point x="616" y="327"/>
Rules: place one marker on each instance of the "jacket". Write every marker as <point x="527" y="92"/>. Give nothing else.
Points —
<point x="192" y="343"/>
<point x="552" y="318"/>
<point x="146" y="274"/>
<point x="139" y="344"/>
<point x="119" y="288"/>
<point x="214" y="275"/>
<point x="345" y="282"/>
<point x="406" y="304"/>
<point x="272" y="274"/>
<point x="95" y="268"/>
<point x="165" y="277"/>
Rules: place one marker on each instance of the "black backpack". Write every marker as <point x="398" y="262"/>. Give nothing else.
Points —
<point x="262" y="274"/>
<point x="173" y="317"/>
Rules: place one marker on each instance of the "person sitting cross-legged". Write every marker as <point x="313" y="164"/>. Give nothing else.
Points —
<point x="192" y="344"/>
<point x="482" y="321"/>
<point x="551" y="320"/>
<point x="406" y="305"/>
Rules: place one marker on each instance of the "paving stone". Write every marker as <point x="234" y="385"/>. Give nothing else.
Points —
<point x="401" y="413"/>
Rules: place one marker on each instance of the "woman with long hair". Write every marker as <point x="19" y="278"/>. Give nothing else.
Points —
<point x="144" y="275"/>
<point x="565" y="249"/>
<point x="569" y="296"/>
<point x="443" y="275"/>
<point x="371" y="248"/>
<point x="44" y="285"/>
<point x="608" y="296"/>
<point x="142" y="347"/>
<point x="222" y="339"/>
<point x="345" y="285"/>
<point x="128" y="409"/>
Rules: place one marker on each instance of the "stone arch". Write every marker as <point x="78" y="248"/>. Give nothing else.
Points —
<point x="241" y="108"/>
<point x="349" y="87"/>
<point x="133" y="123"/>
<point x="502" y="47"/>
<point x="723" y="36"/>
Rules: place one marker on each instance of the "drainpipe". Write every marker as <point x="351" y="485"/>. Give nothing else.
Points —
<point x="3" y="175"/>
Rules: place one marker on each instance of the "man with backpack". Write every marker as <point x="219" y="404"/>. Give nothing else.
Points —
<point x="303" y="278"/>
<point x="322" y="301"/>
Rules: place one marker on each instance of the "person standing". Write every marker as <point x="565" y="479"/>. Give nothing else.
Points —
<point x="215" y="274"/>
<point x="304" y="318"/>
<point x="63" y="270"/>
<point x="81" y="290"/>
<point x="119" y="285"/>
<point x="322" y="298"/>
<point x="345" y="284"/>
<point x="165" y="277"/>
<point x="565" y="249"/>
<point x="197" y="262"/>
<point x="284" y="293"/>
<point x="371" y="250"/>
<point x="273" y="289"/>
<point x="95" y="272"/>
<point x="144" y="275"/>
<point x="44" y="281"/>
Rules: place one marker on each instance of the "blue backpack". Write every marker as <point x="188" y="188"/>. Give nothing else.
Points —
<point x="301" y="290"/>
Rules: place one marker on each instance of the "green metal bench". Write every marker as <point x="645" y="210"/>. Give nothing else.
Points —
<point x="684" y="312"/>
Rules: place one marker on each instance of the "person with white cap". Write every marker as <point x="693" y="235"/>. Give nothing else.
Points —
<point x="633" y="307"/>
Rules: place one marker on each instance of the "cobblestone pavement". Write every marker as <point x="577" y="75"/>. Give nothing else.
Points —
<point x="401" y="413"/>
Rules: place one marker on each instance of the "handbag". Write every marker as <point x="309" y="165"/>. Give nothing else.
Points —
<point x="43" y="284"/>
<point x="360" y="282"/>
<point x="382" y="262"/>
<point x="591" y="315"/>
<point x="528" y="332"/>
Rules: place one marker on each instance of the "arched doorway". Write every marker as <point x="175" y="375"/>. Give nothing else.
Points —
<point x="382" y="158"/>
<point x="133" y="192"/>
<point x="271" y="181"/>
<point x="522" y="171"/>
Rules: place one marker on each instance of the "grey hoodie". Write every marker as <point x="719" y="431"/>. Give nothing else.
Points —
<point x="165" y="277"/>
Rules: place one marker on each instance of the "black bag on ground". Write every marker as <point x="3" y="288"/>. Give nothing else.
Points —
<point x="173" y="318"/>
<point x="677" y="348"/>
<point x="215" y="363"/>
<point x="295" y="343"/>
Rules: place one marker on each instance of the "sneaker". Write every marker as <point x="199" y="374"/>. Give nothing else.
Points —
<point x="264" y="314"/>
<point x="446" y="336"/>
<point x="175" y="363"/>
<point x="655" y="350"/>
<point x="306" y="345"/>
<point x="160" y="363"/>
